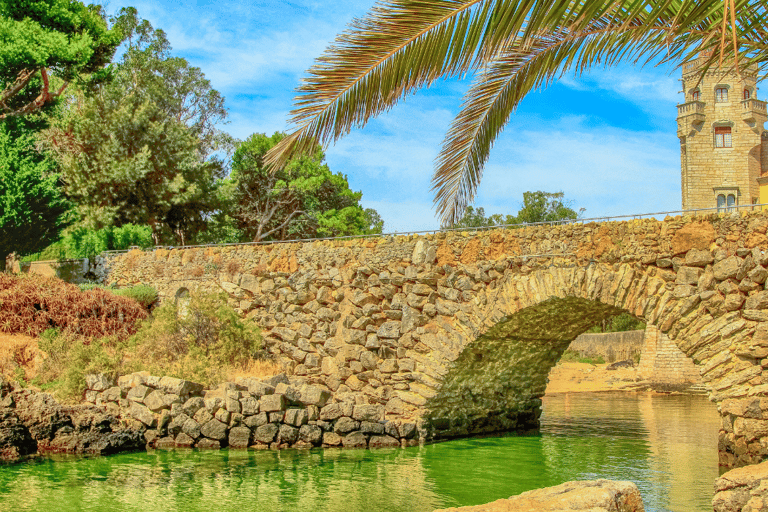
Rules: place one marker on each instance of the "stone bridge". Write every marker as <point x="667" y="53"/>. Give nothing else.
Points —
<point x="460" y="329"/>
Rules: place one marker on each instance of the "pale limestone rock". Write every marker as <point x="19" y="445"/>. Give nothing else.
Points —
<point x="584" y="496"/>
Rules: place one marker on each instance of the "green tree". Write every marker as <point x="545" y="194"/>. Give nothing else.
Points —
<point x="511" y="48"/>
<point x="475" y="218"/>
<point x="33" y="209"/>
<point x="302" y="200"/>
<point x="137" y="149"/>
<point x="544" y="207"/>
<point x="64" y="37"/>
<point x="537" y="207"/>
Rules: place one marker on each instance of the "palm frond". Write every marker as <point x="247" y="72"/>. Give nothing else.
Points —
<point x="517" y="45"/>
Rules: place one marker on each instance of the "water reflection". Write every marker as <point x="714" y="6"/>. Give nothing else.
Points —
<point x="665" y="444"/>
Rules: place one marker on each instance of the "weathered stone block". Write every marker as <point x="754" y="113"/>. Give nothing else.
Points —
<point x="728" y="268"/>
<point x="191" y="428"/>
<point x="184" y="441"/>
<point x="345" y="424"/>
<point x="381" y="441"/>
<point x="223" y="415"/>
<point x="154" y="401"/>
<point x="688" y="275"/>
<point x="331" y="439"/>
<point x="698" y="258"/>
<point x="249" y="406"/>
<point x="193" y="405"/>
<point x="355" y="440"/>
<point x="372" y="428"/>
<point x="757" y="301"/>
<point x="287" y="434"/>
<point x="208" y="444"/>
<point x="203" y="416"/>
<point x="291" y="394"/>
<point x="144" y="415"/>
<point x="407" y="430"/>
<point x="257" y="420"/>
<point x="368" y="412"/>
<point x="138" y="393"/>
<point x="214" y="429"/>
<point x="311" y="434"/>
<point x="389" y="330"/>
<point x="296" y="417"/>
<point x="272" y="403"/>
<point x="179" y="387"/>
<point x="313" y="395"/>
<point x="240" y="437"/>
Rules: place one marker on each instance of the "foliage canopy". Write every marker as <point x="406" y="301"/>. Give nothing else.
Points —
<point x="64" y="36"/>
<point x="536" y="207"/>
<point x="302" y="200"/>
<point x="512" y="48"/>
<point x="137" y="149"/>
<point x="33" y="209"/>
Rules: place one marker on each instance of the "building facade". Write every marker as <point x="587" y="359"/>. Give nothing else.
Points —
<point x="723" y="145"/>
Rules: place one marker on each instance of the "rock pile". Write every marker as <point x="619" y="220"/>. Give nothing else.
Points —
<point x="275" y="413"/>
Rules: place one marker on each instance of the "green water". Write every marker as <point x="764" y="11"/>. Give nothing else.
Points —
<point x="667" y="445"/>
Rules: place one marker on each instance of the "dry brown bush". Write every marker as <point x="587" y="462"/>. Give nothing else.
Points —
<point x="197" y="271"/>
<point x="30" y="304"/>
<point x="233" y="267"/>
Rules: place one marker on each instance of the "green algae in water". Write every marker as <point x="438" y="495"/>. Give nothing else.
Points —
<point x="667" y="445"/>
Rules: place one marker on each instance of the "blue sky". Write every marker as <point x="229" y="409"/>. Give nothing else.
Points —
<point x="606" y="139"/>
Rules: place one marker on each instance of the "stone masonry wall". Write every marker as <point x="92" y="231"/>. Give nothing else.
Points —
<point x="278" y="412"/>
<point x="664" y="365"/>
<point x="611" y="346"/>
<point x="460" y="329"/>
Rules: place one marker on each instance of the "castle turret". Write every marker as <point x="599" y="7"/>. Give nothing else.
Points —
<point x="723" y="147"/>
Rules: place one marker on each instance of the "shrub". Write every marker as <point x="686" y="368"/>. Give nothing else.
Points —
<point x="199" y="343"/>
<point x="141" y="293"/>
<point x="69" y="359"/>
<point x="30" y="304"/>
<point x="86" y="243"/>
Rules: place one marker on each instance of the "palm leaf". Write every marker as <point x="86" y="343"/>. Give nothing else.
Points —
<point x="517" y="45"/>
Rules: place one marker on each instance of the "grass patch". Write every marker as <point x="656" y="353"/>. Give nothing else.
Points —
<point x="571" y="356"/>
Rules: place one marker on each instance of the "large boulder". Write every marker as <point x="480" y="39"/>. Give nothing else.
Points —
<point x="585" y="496"/>
<point x="742" y="489"/>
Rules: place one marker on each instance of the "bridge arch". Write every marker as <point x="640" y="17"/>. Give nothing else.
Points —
<point x="408" y="322"/>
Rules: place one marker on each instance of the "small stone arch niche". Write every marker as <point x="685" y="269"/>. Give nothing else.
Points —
<point x="181" y="298"/>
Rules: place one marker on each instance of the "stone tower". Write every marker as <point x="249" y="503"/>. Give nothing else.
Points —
<point x="723" y="147"/>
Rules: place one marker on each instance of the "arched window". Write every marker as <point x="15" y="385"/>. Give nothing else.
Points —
<point x="731" y="199"/>
<point x="721" y="95"/>
<point x="720" y="203"/>
<point x="182" y="302"/>
<point x="747" y="94"/>
<point x="723" y="137"/>
<point x="695" y="95"/>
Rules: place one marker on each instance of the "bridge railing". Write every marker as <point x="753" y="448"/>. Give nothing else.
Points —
<point x="730" y="209"/>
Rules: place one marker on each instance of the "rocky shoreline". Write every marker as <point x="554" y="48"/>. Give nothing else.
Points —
<point x="140" y="411"/>
<point x="34" y="423"/>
